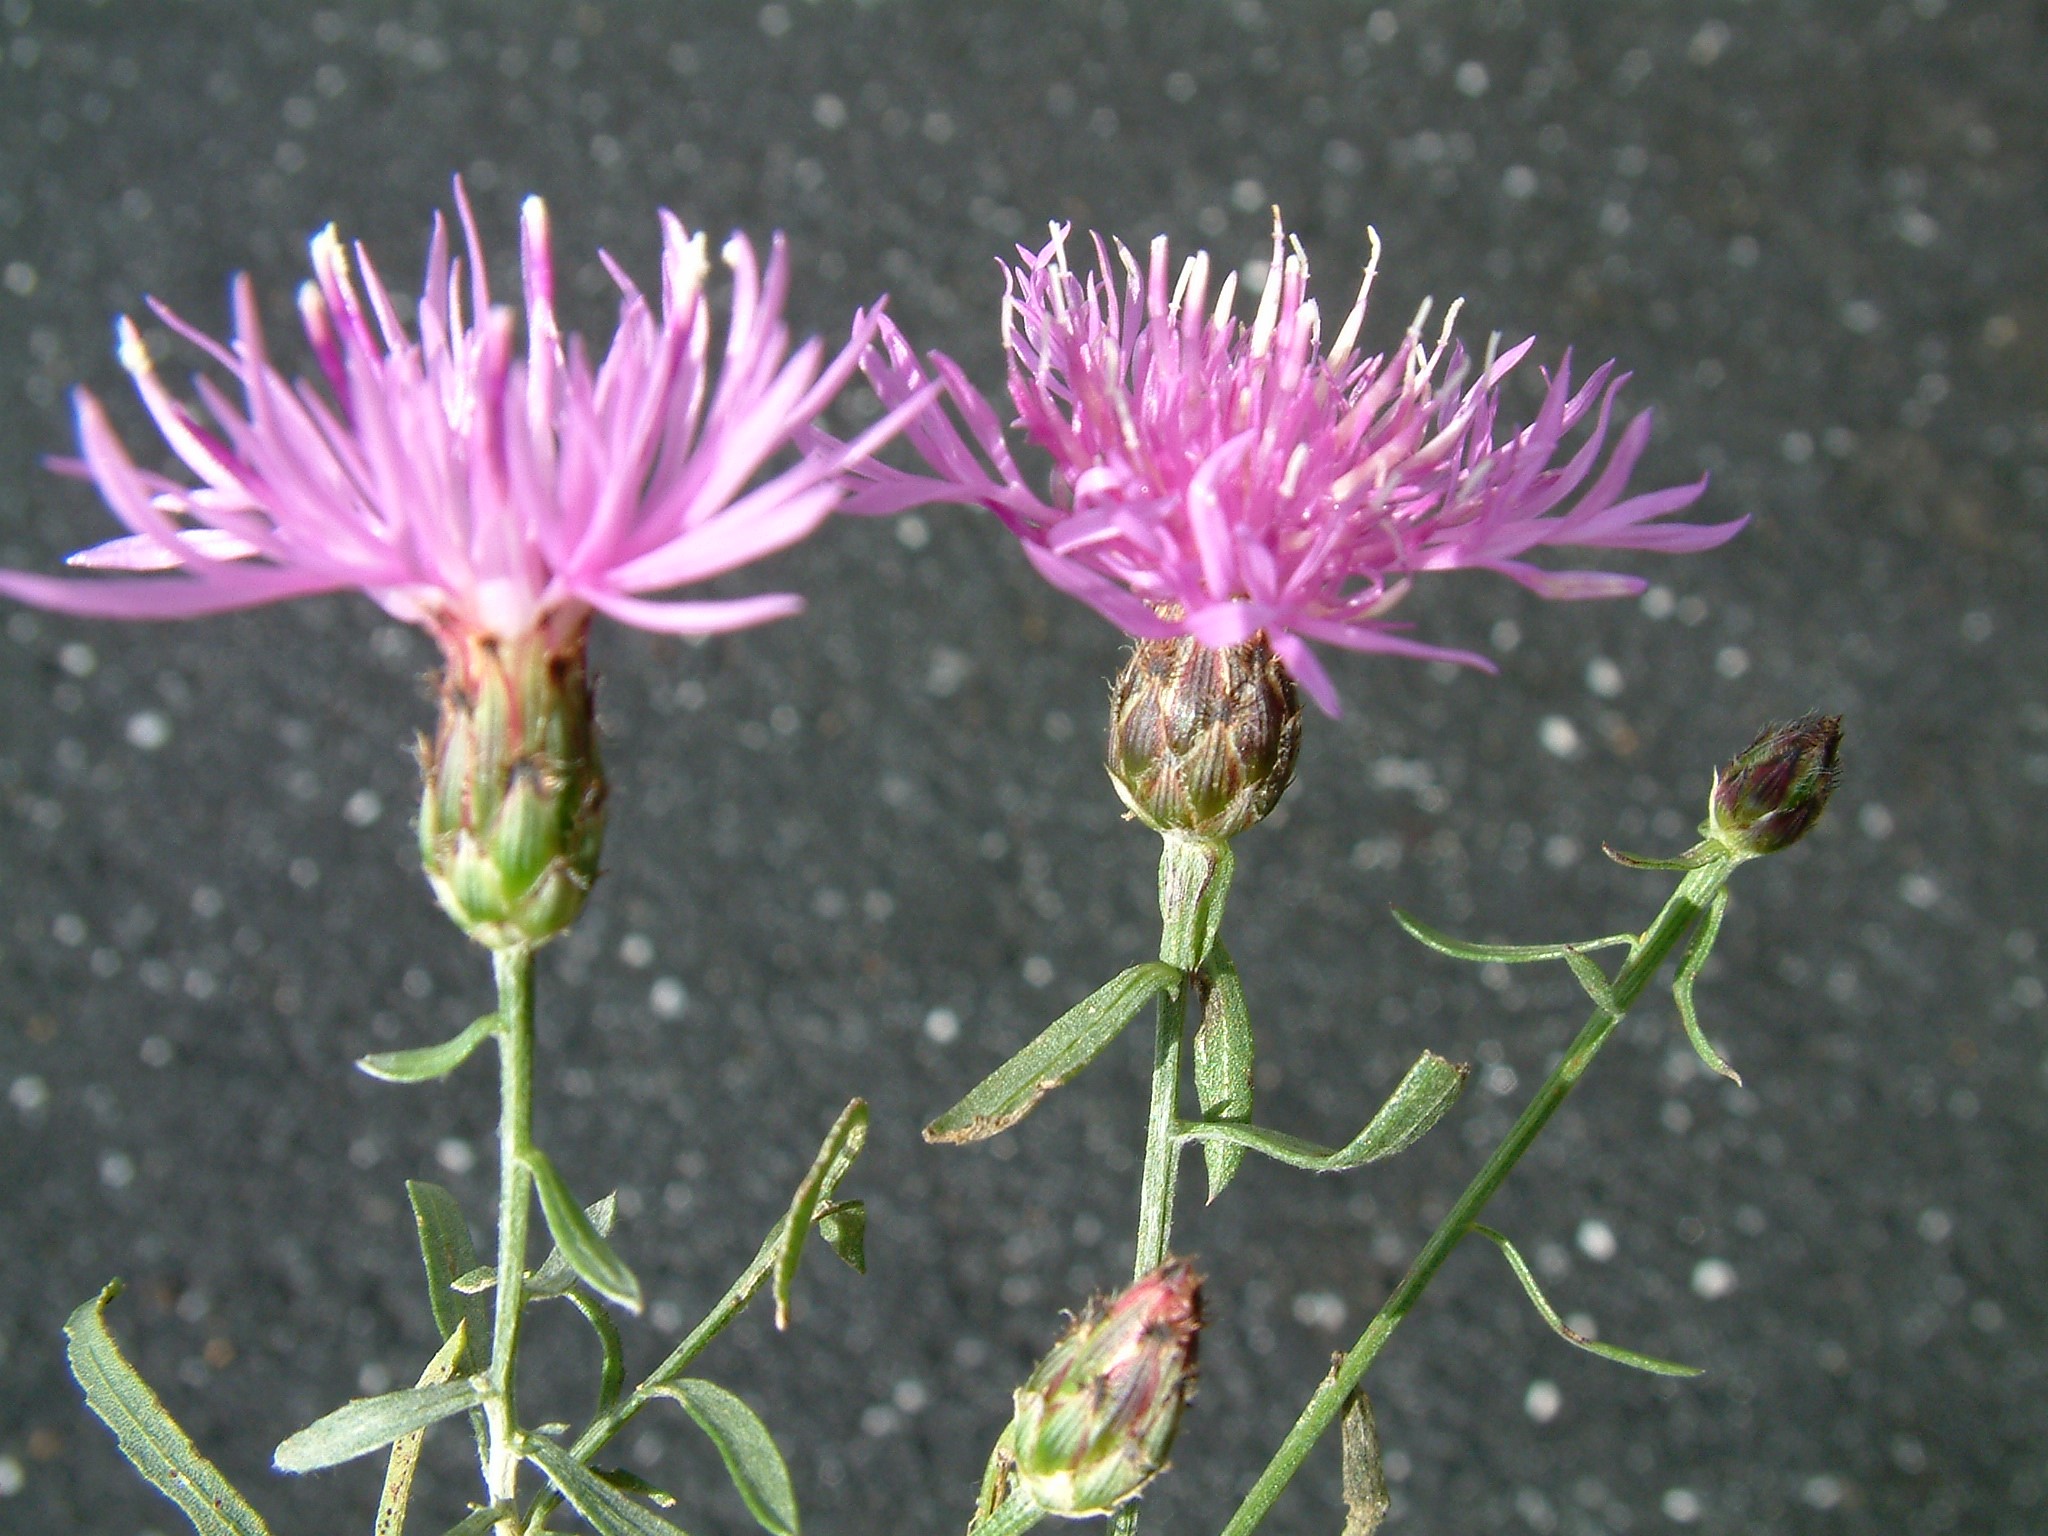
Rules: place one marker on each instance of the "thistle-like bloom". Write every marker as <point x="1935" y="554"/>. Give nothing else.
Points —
<point x="1220" y="480"/>
<point x="496" y="500"/>
<point x="466" y="488"/>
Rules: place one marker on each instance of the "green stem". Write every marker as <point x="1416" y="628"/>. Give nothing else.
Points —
<point x="515" y="1199"/>
<point x="615" y="1418"/>
<point x="1645" y="957"/>
<point x="1162" y="1151"/>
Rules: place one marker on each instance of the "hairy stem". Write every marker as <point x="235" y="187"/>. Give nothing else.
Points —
<point x="1162" y="1151"/>
<point x="1648" y="953"/>
<point x="515" y="1199"/>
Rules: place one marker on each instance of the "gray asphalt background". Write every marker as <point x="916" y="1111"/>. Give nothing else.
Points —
<point x="1815" y="232"/>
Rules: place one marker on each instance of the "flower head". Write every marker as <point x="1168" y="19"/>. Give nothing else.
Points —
<point x="1776" y="787"/>
<point x="1219" y="479"/>
<point x="468" y="487"/>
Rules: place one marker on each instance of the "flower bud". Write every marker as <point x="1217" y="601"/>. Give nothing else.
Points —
<point x="1096" y="1419"/>
<point x="512" y="813"/>
<point x="1774" y="790"/>
<point x="1202" y="740"/>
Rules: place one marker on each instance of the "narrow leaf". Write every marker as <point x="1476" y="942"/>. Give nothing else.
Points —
<point x="998" y="1477"/>
<point x="589" y="1255"/>
<point x="751" y="1459"/>
<point x="148" y="1436"/>
<point x="405" y="1450"/>
<point x="474" y="1282"/>
<point x="1057" y="1056"/>
<point x="1223" y="1062"/>
<point x="1593" y="980"/>
<point x="475" y="1523"/>
<point x="1194" y="880"/>
<point x="845" y="1226"/>
<point x="371" y="1423"/>
<point x="611" y="1378"/>
<point x="841" y="1146"/>
<point x="610" y="1512"/>
<point x="1693" y="858"/>
<point x="1506" y="954"/>
<point x="446" y="1250"/>
<point x="1696" y="951"/>
<point x="428" y="1062"/>
<point x="1365" y="1479"/>
<point x="1614" y="1352"/>
<point x="1430" y="1088"/>
<point x="632" y="1482"/>
<point x="556" y="1274"/>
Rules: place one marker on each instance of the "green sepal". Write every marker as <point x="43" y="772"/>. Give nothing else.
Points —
<point x="1696" y="951"/>
<point x="1416" y="1104"/>
<point x="405" y="1450"/>
<point x="1695" y="857"/>
<point x="1614" y="1352"/>
<point x="1057" y="1056"/>
<point x="1365" y="1479"/>
<point x="447" y="1252"/>
<point x="844" y="1224"/>
<point x="427" y="1062"/>
<point x="609" y="1511"/>
<point x="841" y="1146"/>
<point x="1223" y="1062"/>
<point x="1505" y="954"/>
<point x="1194" y="882"/>
<point x="751" y="1459"/>
<point x="586" y="1250"/>
<point x="371" y="1423"/>
<point x="1014" y="1515"/>
<point x="147" y="1435"/>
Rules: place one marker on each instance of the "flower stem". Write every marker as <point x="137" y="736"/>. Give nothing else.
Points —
<point x="1162" y="1151"/>
<point x="1649" y="952"/>
<point x="514" y="968"/>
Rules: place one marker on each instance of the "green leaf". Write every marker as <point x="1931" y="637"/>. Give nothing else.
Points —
<point x="475" y="1523"/>
<point x="749" y="1452"/>
<point x="371" y="1423"/>
<point x="845" y="1226"/>
<point x="556" y="1274"/>
<point x="446" y="1250"/>
<point x="612" y="1373"/>
<point x="589" y="1255"/>
<point x="1430" y="1088"/>
<point x="428" y="1062"/>
<point x="610" y="1512"/>
<point x="632" y="1482"/>
<point x="1696" y="951"/>
<point x="1365" y="1480"/>
<point x="1194" y="881"/>
<point x="1593" y="980"/>
<point x="841" y="1146"/>
<point x="148" y="1436"/>
<point x="1693" y="858"/>
<point x="1612" y="1352"/>
<point x="1057" y="1056"/>
<point x="1506" y="954"/>
<point x="1223" y="1063"/>
<point x="405" y="1450"/>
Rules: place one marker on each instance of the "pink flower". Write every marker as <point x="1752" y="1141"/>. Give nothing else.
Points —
<point x="466" y="488"/>
<point x="1217" y="479"/>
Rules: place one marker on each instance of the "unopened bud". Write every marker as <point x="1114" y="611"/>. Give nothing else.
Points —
<point x="1096" y="1419"/>
<point x="1203" y="740"/>
<point x="512" y="813"/>
<point x="1775" y="789"/>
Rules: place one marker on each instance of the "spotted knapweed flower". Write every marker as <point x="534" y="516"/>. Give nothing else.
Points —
<point x="1221" y="481"/>
<point x="494" y="498"/>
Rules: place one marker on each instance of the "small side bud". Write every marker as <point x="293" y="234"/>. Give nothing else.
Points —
<point x="512" y="808"/>
<point x="1203" y="740"/>
<point x="1096" y="1419"/>
<point x="1774" y="790"/>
